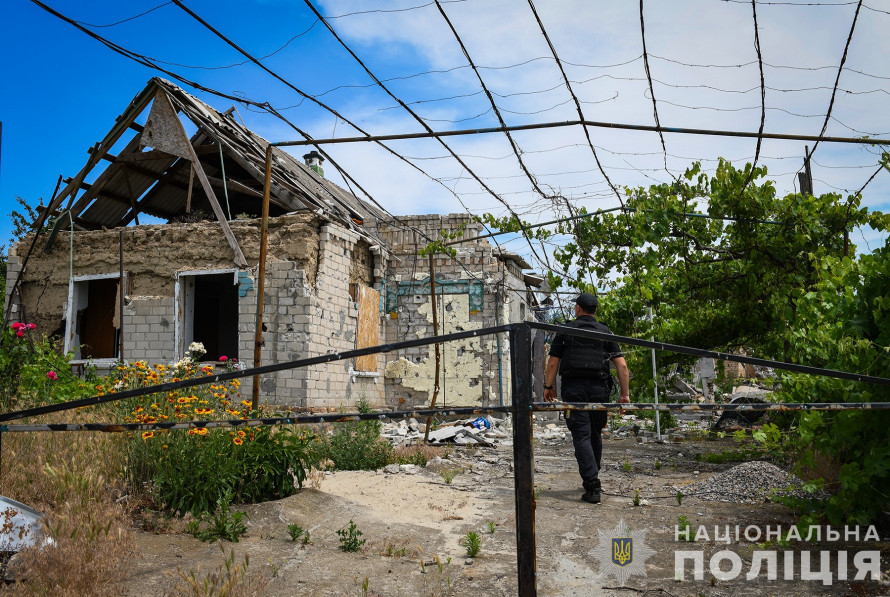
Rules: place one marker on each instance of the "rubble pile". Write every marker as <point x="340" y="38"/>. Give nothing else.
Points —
<point x="481" y="431"/>
<point x="754" y="482"/>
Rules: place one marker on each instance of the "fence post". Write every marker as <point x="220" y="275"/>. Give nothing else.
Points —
<point x="523" y="457"/>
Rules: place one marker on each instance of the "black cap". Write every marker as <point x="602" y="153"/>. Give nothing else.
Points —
<point x="587" y="302"/>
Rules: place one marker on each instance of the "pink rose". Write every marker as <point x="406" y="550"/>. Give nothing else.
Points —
<point x="32" y="326"/>
<point x="52" y="375"/>
<point x="223" y="359"/>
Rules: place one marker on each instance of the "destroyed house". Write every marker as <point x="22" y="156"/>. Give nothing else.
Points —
<point x="155" y="244"/>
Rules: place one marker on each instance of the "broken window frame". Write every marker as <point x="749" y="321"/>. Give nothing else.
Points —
<point x="72" y="337"/>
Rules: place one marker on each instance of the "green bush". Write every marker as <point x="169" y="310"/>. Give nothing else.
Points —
<point x="190" y="472"/>
<point x="354" y="445"/>
<point x="33" y="371"/>
<point x="222" y="524"/>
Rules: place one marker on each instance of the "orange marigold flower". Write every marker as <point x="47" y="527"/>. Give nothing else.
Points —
<point x="148" y="434"/>
<point x="191" y="431"/>
<point x="241" y="433"/>
<point x="238" y="441"/>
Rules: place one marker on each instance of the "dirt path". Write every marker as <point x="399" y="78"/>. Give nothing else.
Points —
<point x="413" y="517"/>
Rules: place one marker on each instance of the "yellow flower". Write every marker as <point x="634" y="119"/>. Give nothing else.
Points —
<point x="241" y="433"/>
<point x="204" y="411"/>
<point x="147" y="434"/>
<point x="238" y="441"/>
<point x="246" y="403"/>
<point x="182" y="400"/>
<point x="201" y="431"/>
<point x="164" y="446"/>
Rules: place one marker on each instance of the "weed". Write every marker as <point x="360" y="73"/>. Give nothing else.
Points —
<point x="727" y="456"/>
<point x="419" y="454"/>
<point x="349" y="538"/>
<point x="679" y="498"/>
<point x="449" y="473"/>
<point x="91" y="547"/>
<point x="295" y="531"/>
<point x="353" y="446"/>
<point x="637" y="499"/>
<point x="491" y="527"/>
<point x="223" y="523"/>
<point x="472" y="542"/>
<point x="627" y="466"/>
<point x="684" y="529"/>
<point x="658" y="464"/>
<point x="227" y="579"/>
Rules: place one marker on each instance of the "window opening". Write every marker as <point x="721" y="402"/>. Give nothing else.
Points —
<point x="210" y="313"/>
<point x="94" y="326"/>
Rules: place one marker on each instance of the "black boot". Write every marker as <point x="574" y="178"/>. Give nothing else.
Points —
<point x="592" y="492"/>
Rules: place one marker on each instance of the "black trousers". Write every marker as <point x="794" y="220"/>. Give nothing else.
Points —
<point x="586" y="426"/>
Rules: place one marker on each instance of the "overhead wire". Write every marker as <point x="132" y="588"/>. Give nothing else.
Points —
<point x="837" y="79"/>
<point x="651" y="87"/>
<point x="265" y="106"/>
<point x="420" y="121"/>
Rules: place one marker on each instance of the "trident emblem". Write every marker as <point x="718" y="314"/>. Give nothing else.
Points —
<point x="622" y="550"/>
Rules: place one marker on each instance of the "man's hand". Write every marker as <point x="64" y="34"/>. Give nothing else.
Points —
<point x="550" y="395"/>
<point x="625" y="399"/>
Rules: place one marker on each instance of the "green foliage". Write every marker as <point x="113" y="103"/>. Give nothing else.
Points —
<point x="33" y="372"/>
<point x="354" y="445"/>
<point x="221" y="524"/>
<point x="679" y="497"/>
<point x="685" y="528"/>
<point x="350" y="538"/>
<point x="637" y="500"/>
<point x="766" y="273"/>
<point x="190" y="471"/>
<point x="295" y="531"/>
<point x="727" y="456"/>
<point x="491" y="527"/>
<point x="472" y="542"/>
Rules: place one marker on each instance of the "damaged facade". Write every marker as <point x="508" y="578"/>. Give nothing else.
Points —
<point x="340" y="273"/>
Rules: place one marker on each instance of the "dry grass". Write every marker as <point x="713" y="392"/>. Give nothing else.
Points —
<point x="419" y="451"/>
<point x="228" y="580"/>
<point x="74" y="478"/>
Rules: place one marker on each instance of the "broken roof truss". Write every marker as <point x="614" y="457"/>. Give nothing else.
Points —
<point x="156" y="172"/>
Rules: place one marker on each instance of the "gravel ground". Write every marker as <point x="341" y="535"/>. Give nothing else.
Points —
<point x="754" y="482"/>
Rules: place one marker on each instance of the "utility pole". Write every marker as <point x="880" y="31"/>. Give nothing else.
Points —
<point x="805" y="178"/>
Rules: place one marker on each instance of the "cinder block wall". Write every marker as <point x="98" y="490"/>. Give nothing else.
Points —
<point x="473" y="372"/>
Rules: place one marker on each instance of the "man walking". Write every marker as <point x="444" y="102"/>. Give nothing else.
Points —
<point x="583" y="364"/>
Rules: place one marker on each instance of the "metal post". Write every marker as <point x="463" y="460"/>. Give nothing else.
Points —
<point x="655" y="381"/>
<point x="120" y="286"/>
<point x="523" y="458"/>
<point x="429" y="420"/>
<point x="261" y="280"/>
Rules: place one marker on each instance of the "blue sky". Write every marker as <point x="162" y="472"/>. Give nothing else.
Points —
<point x="63" y="90"/>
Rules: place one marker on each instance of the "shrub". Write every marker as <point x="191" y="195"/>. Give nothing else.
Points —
<point x="354" y="445"/>
<point x="349" y="538"/>
<point x="189" y="472"/>
<point x="34" y="371"/>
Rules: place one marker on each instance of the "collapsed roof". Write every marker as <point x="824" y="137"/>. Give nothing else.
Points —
<point x="165" y="173"/>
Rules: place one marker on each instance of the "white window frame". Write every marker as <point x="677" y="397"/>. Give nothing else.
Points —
<point x="70" y="312"/>
<point x="184" y="310"/>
